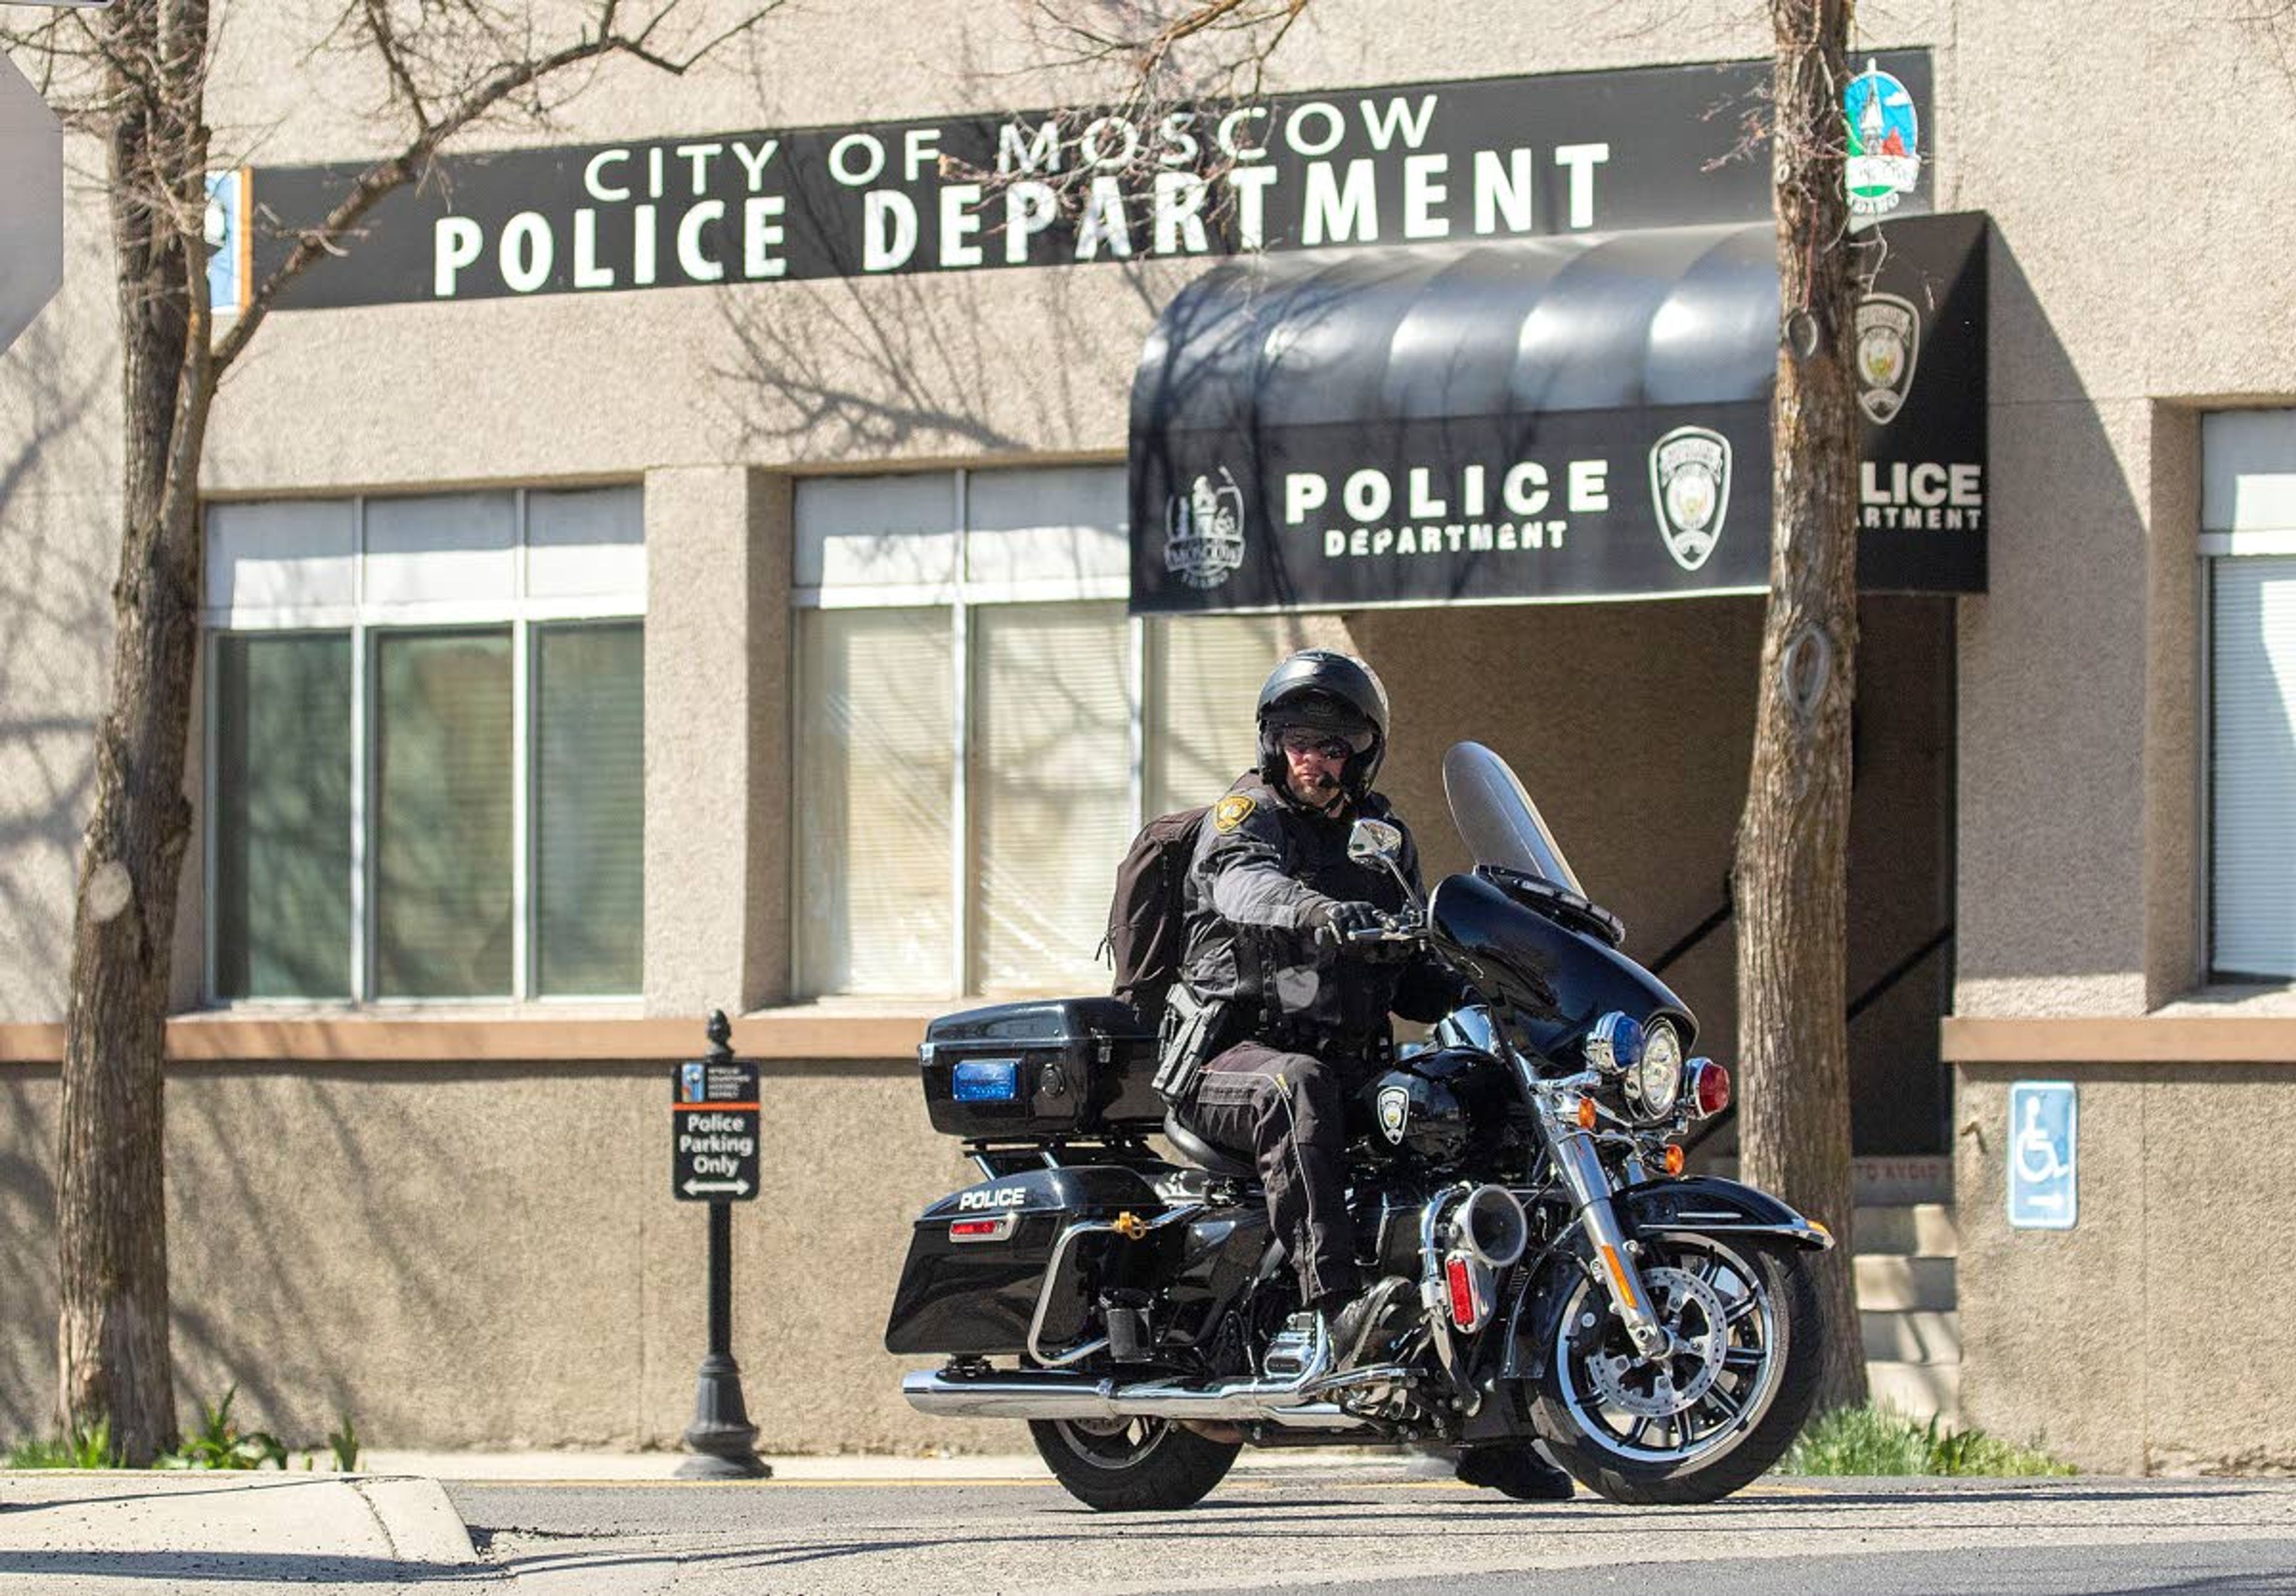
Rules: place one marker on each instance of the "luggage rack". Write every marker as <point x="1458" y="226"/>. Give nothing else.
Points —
<point x="995" y="1160"/>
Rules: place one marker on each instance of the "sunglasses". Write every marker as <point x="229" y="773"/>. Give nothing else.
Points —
<point x="1305" y="739"/>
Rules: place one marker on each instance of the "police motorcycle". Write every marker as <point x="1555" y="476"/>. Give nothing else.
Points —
<point x="1659" y="1332"/>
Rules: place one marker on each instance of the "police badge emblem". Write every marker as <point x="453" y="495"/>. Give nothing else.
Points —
<point x="1203" y="533"/>
<point x="1888" y="342"/>
<point x="1394" y="1112"/>
<point x="1690" y="491"/>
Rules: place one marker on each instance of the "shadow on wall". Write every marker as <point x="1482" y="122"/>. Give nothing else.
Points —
<point x="2053" y="671"/>
<point x="883" y="368"/>
<point x="53" y="584"/>
<point x="446" y="1254"/>
<point x="27" y="1254"/>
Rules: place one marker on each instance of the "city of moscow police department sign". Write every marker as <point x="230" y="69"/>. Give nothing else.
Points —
<point x="1406" y="163"/>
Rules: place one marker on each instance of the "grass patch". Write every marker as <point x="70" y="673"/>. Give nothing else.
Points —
<point x="82" y="1448"/>
<point x="1876" y="1440"/>
<point x="219" y="1443"/>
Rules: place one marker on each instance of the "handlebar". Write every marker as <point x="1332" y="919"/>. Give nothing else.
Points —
<point x="1392" y="928"/>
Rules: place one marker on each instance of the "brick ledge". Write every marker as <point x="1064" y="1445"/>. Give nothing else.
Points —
<point x="787" y="1035"/>
<point x="2137" y="1038"/>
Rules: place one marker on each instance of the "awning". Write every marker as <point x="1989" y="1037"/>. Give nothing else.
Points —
<point x="1538" y="418"/>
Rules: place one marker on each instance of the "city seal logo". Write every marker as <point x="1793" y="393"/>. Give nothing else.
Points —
<point x="1394" y="1112"/>
<point x="1203" y="533"/>
<point x="1231" y="812"/>
<point x="1885" y="141"/>
<point x="1888" y="342"/>
<point x="1690" y="490"/>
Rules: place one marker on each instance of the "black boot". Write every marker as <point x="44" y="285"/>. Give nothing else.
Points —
<point x="1355" y="1330"/>
<point x="1514" y="1469"/>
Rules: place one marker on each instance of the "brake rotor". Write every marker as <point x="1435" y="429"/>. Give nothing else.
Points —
<point x="1694" y="1316"/>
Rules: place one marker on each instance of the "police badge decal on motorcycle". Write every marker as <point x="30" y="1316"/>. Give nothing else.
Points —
<point x="1888" y="342"/>
<point x="1203" y="533"/>
<point x="1394" y="1112"/>
<point x="1690" y="490"/>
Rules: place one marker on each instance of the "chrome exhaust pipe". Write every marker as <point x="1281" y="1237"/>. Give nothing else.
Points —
<point x="1028" y="1394"/>
<point x="1040" y="1393"/>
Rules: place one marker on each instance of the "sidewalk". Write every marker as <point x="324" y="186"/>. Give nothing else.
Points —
<point x="123" y="1530"/>
<point x="390" y="1527"/>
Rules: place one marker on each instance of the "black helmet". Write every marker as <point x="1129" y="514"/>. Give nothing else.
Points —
<point x="1330" y="692"/>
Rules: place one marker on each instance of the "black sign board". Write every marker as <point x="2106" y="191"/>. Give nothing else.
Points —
<point x="1534" y="419"/>
<point x="714" y="1131"/>
<point x="1394" y="164"/>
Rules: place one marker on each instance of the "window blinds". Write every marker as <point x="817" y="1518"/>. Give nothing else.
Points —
<point x="2253" y="858"/>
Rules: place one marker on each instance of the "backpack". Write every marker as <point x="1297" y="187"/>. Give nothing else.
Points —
<point x="1148" y="917"/>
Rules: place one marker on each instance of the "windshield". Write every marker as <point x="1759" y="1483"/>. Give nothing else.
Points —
<point x="1497" y="820"/>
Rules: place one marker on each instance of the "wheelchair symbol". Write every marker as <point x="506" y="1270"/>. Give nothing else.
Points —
<point x="2038" y="1159"/>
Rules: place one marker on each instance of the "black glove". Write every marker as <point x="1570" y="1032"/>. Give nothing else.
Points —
<point x="1333" y="922"/>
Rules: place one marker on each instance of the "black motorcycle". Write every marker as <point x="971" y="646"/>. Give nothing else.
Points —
<point x="1659" y="1332"/>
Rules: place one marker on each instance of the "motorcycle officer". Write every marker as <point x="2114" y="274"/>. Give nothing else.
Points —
<point x="1290" y="1017"/>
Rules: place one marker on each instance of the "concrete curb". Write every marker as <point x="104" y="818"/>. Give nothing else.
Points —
<point x="417" y="1518"/>
<point x="297" y="1526"/>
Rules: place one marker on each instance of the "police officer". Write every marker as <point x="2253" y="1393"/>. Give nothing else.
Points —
<point x="1297" y="1013"/>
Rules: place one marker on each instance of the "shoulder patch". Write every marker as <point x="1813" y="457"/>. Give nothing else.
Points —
<point x="1232" y="811"/>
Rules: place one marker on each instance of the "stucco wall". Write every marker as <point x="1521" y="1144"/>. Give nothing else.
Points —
<point x="2147" y="1338"/>
<point x="490" y="1256"/>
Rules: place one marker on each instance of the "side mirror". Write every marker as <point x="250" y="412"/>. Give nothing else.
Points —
<point x="1376" y="840"/>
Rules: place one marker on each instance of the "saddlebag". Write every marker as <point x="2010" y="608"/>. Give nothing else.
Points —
<point x="979" y="1261"/>
<point x="1044" y="1070"/>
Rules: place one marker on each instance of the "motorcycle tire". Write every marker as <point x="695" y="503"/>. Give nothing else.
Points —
<point x="1740" y="1451"/>
<point x="1132" y="1465"/>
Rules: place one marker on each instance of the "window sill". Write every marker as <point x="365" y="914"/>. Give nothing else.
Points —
<point x="598" y="1034"/>
<point x="2213" y="1024"/>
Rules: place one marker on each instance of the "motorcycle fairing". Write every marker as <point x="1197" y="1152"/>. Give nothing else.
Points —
<point x="1709" y="1205"/>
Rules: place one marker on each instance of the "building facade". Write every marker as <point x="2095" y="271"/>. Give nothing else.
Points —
<point x="699" y="557"/>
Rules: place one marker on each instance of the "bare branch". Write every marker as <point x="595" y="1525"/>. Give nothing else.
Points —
<point x="435" y="126"/>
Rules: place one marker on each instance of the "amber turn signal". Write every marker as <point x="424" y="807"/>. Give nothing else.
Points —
<point x="1586" y="1114"/>
<point x="1675" y="1161"/>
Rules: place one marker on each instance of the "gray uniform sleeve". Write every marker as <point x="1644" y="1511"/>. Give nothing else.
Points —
<point x="1244" y="866"/>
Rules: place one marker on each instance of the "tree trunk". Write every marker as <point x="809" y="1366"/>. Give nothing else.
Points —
<point x="1792" y="874"/>
<point x="112" y="1343"/>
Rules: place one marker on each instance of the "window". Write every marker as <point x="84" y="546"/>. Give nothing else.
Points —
<point x="2249" y="543"/>
<point x="980" y="727"/>
<point x="426" y="746"/>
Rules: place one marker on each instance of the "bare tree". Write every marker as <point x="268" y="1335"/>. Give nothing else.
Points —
<point x="1792" y="879"/>
<point x="136" y="77"/>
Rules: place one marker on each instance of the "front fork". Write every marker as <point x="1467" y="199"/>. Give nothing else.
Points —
<point x="1580" y="1167"/>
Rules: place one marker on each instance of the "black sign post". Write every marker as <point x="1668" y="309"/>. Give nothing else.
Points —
<point x="714" y="1159"/>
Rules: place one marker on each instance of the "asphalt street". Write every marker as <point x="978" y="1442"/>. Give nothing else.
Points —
<point x="1366" y="1528"/>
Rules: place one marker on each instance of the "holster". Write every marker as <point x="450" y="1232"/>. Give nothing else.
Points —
<point x="1192" y="1033"/>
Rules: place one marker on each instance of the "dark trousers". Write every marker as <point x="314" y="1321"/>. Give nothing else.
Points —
<point x="1284" y="1111"/>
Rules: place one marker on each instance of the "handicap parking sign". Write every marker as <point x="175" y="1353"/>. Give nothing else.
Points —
<point x="2044" y="1149"/>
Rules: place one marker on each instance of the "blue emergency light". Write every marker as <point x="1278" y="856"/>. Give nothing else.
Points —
<point x="987" y="1080"/>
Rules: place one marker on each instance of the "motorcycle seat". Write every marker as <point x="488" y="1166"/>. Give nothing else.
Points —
<point x="1201" y="1153"/>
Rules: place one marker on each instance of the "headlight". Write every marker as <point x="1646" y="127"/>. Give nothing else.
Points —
<point x="1655" y="1081"/>
<point x="1615" y="1044"/>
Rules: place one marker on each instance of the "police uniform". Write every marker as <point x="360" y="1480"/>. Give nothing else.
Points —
<point x="1305" y="1020"/>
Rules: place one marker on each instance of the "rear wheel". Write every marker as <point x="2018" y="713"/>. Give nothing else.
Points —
<point x="1131" y="1465"/>
<point x="1721" y="1406"/>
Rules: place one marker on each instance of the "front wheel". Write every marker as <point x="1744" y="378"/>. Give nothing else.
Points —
<point x="1131" y="1465"/>
<point x="1715" y="1414"/>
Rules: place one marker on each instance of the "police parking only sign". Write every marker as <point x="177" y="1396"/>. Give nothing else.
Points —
<point x="714" y="1131"/>
<point x="2044" y="1155"/>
